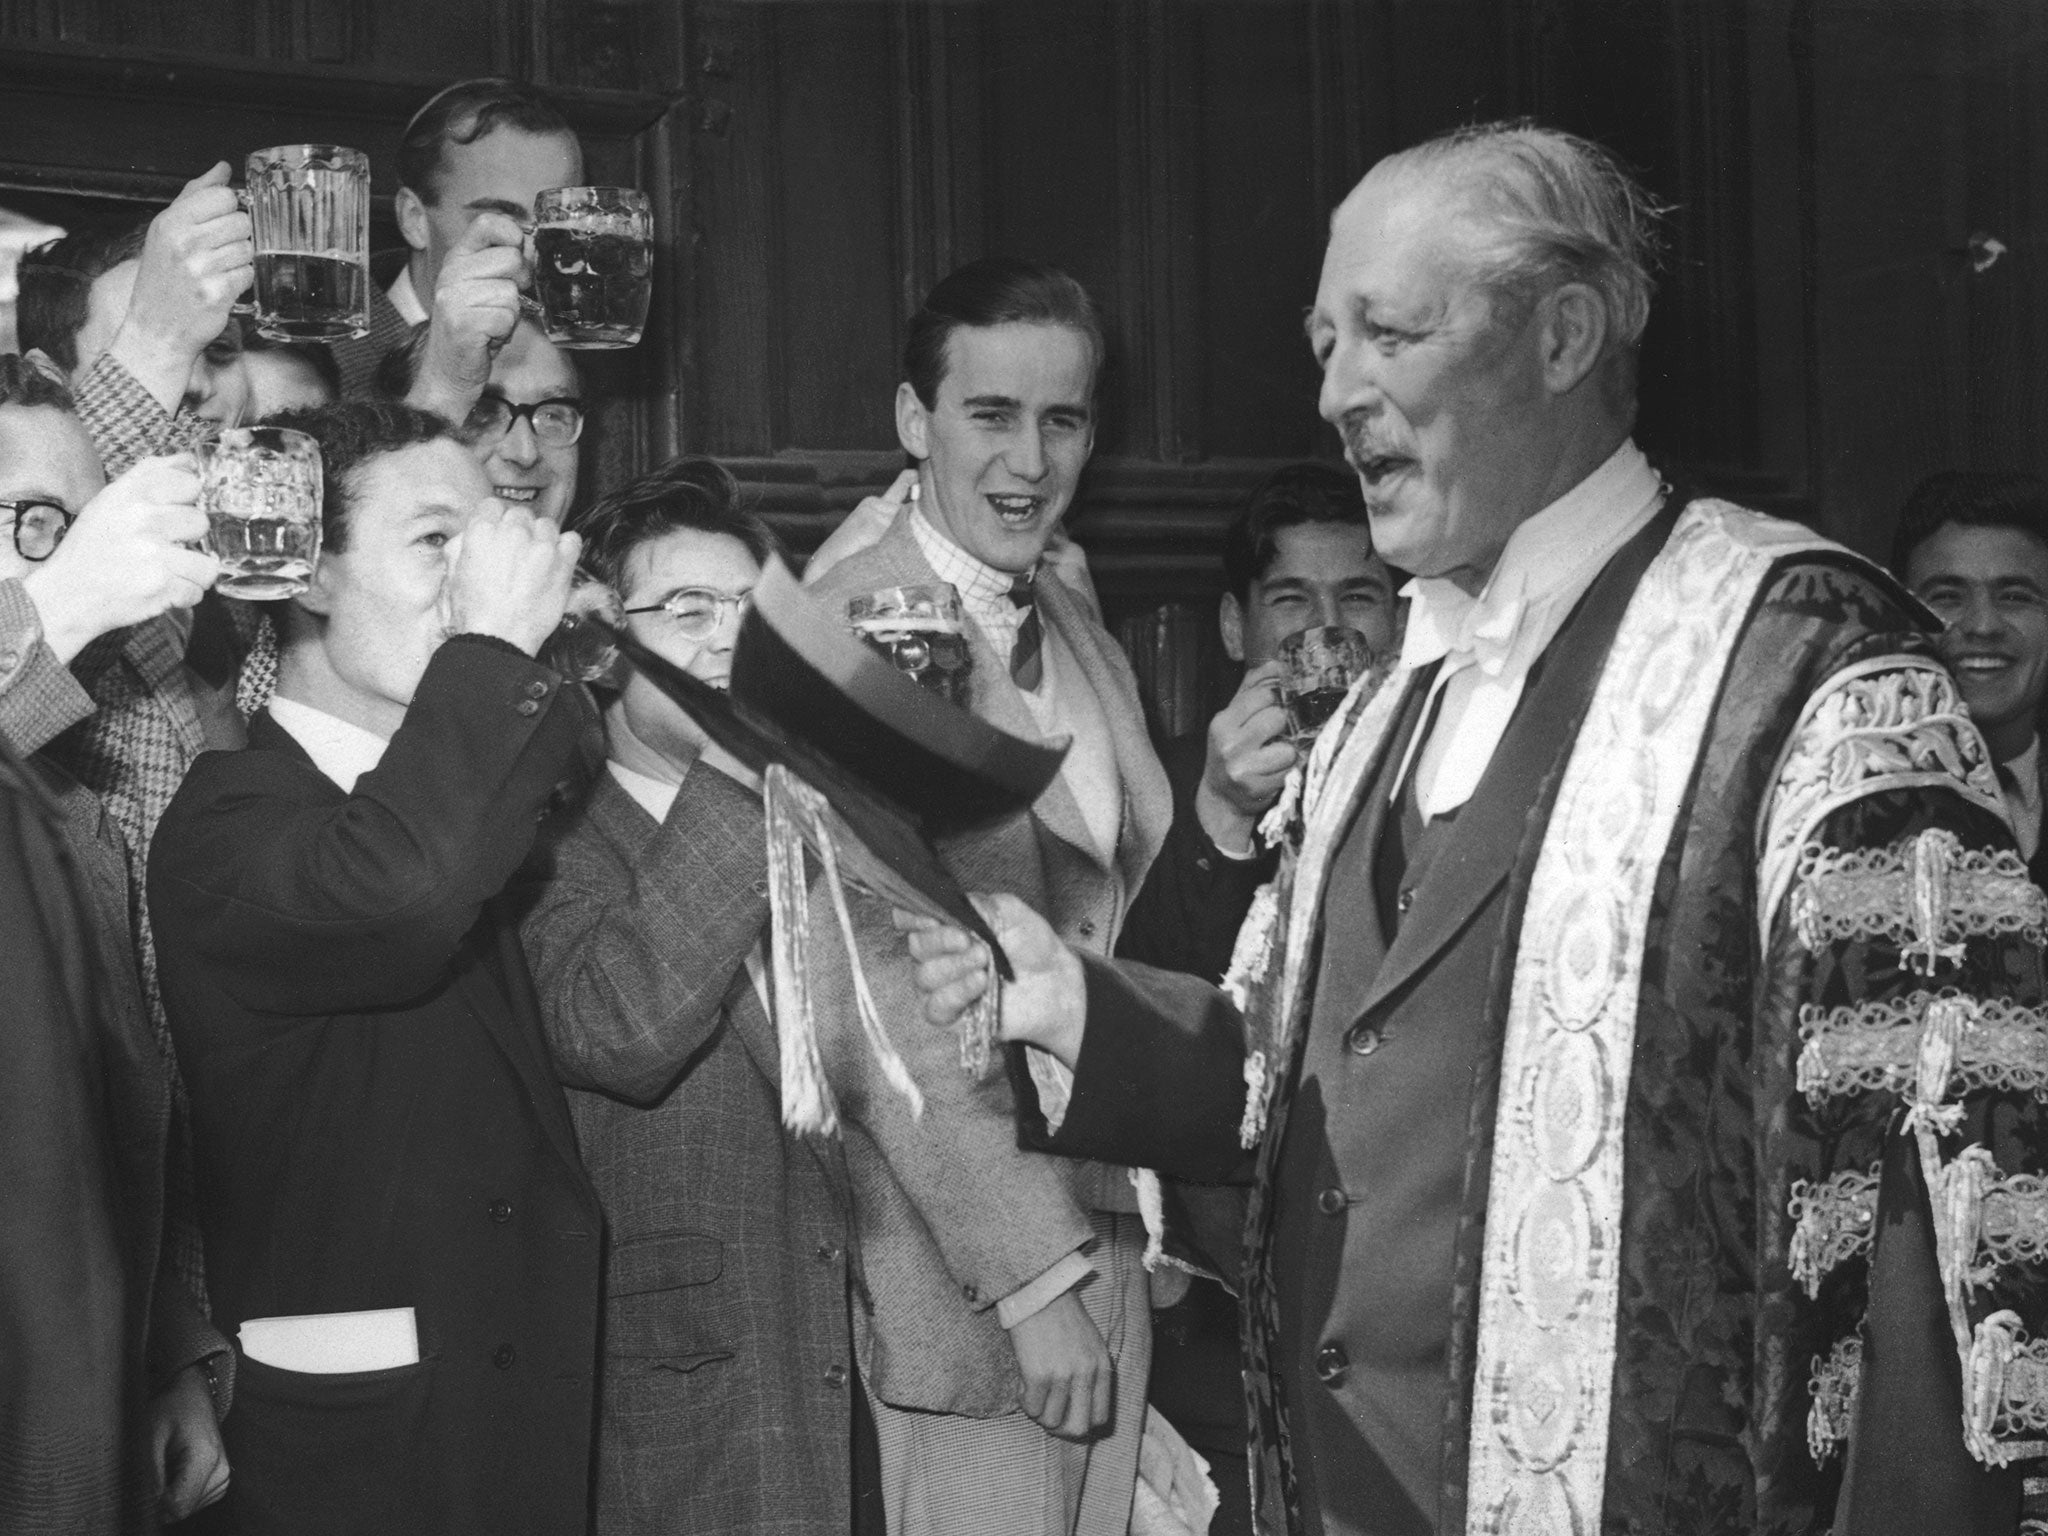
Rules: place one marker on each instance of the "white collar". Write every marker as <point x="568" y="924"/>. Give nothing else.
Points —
<point x="1546" y="565"/>
<point x="340" y="749"/>
<point x="405" y="298"/>
<point x="981" y="586"/>
<point x="652" y="796"/>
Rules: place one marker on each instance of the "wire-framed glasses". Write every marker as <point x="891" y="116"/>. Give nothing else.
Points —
<point x="697" y="612"/>
<point x="39" y="526"/>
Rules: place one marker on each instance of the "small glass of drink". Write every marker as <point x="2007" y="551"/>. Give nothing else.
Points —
<point x="1319" y="665"/>
<point x="921" y="631"/>
<point x="578" y="648"/>
<point x="593" y="264"/>
<point x="310" y="204"/>
<point x="260" y="490"/>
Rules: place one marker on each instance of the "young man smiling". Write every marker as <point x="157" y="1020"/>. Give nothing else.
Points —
<point x="1974" y="548"/>
<point x="1007" y="1339"/>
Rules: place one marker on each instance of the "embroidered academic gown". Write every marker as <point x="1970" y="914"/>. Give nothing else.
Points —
<point x="1592" y="1179"/>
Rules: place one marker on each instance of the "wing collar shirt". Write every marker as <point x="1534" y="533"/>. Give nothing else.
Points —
<point x="1489" y="642"/>
<point x="984" y="590"/>
<point x="342" y="751"/>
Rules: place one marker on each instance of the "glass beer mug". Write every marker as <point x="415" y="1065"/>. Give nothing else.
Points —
<point x="310" y="205"/>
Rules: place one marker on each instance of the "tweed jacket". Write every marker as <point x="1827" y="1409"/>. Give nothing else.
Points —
<point x="160" y="699"/>
<point x="1750" y="1293"/>
<point x="377" y="1124"/>
<point x="725" y="1376"/>
<point x="952" y="1215"/>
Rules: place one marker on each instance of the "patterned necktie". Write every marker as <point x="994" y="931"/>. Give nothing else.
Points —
<point x="1027" y="662"/>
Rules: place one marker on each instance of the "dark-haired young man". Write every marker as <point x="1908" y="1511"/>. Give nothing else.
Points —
<point x="725" y="1400"/>
<point x="1973" y="546"/>
<point x="1299" y="555"/>
<point x="485" y="146"/>
<point x="397" y="1221"/>
<point x="1008" y="1334"/>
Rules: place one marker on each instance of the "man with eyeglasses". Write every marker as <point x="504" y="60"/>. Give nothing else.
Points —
<point x="522" y="415"/>
<point x="728" y="1395"/>
<point x="87" y="1270"/>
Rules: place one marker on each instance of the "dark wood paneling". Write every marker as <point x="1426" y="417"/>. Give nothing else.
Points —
<point x="835" y="261"/>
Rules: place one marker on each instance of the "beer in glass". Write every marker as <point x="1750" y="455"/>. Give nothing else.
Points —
<point x="310" y="204"/>
<point x="593" y="264"/>
<point x="921" y="631"/>
<point x="260" y="490"/>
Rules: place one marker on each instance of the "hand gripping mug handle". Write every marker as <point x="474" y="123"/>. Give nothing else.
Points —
<point x="246" y="304"/>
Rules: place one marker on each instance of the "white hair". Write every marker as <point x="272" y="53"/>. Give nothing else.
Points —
<point x="1550" y="208"/>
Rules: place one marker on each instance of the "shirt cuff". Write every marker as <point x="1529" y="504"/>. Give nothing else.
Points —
<point x="1033" y="1297"/>
<point x="1248" y="856"/>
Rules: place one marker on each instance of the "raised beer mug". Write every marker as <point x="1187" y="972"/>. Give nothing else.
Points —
<point x="593" y="264"/>
<point x="310" y="205"/>
<point x="919" y="630"/>
<point x="260" y="490"/>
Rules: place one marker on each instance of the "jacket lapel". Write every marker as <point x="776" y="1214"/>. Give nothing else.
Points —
<point x="1481" y="845"/>
<point x="1147" y="797"/>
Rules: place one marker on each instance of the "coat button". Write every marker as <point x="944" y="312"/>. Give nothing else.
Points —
<point x="973" y="1296"/>
<point x="835" y="1375"/>
<point x="1087" y="927"/>
<point x="1332" y="1200"/>
<point x="828" y="1253"/>
<point x="9" y="660"/>
<point x="1405" y="900"/>
<point x="504" y="1357"/>
<point x="1332" y="1364"/>
<point x="528" y="708"/>
<point x="536" y="689"/>
<point x="1361" y="1040"/>
<point x="501" y="1210"/>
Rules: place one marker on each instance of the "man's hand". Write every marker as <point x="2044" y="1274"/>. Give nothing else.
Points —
<point x="1046" y="1005"/>
<point x="125" y="558"/>
<point x="476" y="308"/>
<point x="185" y="1447"/>
<point x="198" y="258"/>
<point x="511" y="576"/>
<point x="1069" y="1379"/>
<point x="863" y="526"/>
<point x="1249" y="756"/>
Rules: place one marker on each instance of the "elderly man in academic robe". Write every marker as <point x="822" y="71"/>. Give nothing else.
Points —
<point x="1636" y="1059"/>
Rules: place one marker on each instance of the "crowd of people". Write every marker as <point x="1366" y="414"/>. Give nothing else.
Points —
<point x="1596" y="1086"/>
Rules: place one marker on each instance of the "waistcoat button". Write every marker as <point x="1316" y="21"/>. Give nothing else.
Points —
<point x="1332" y="1364"/>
